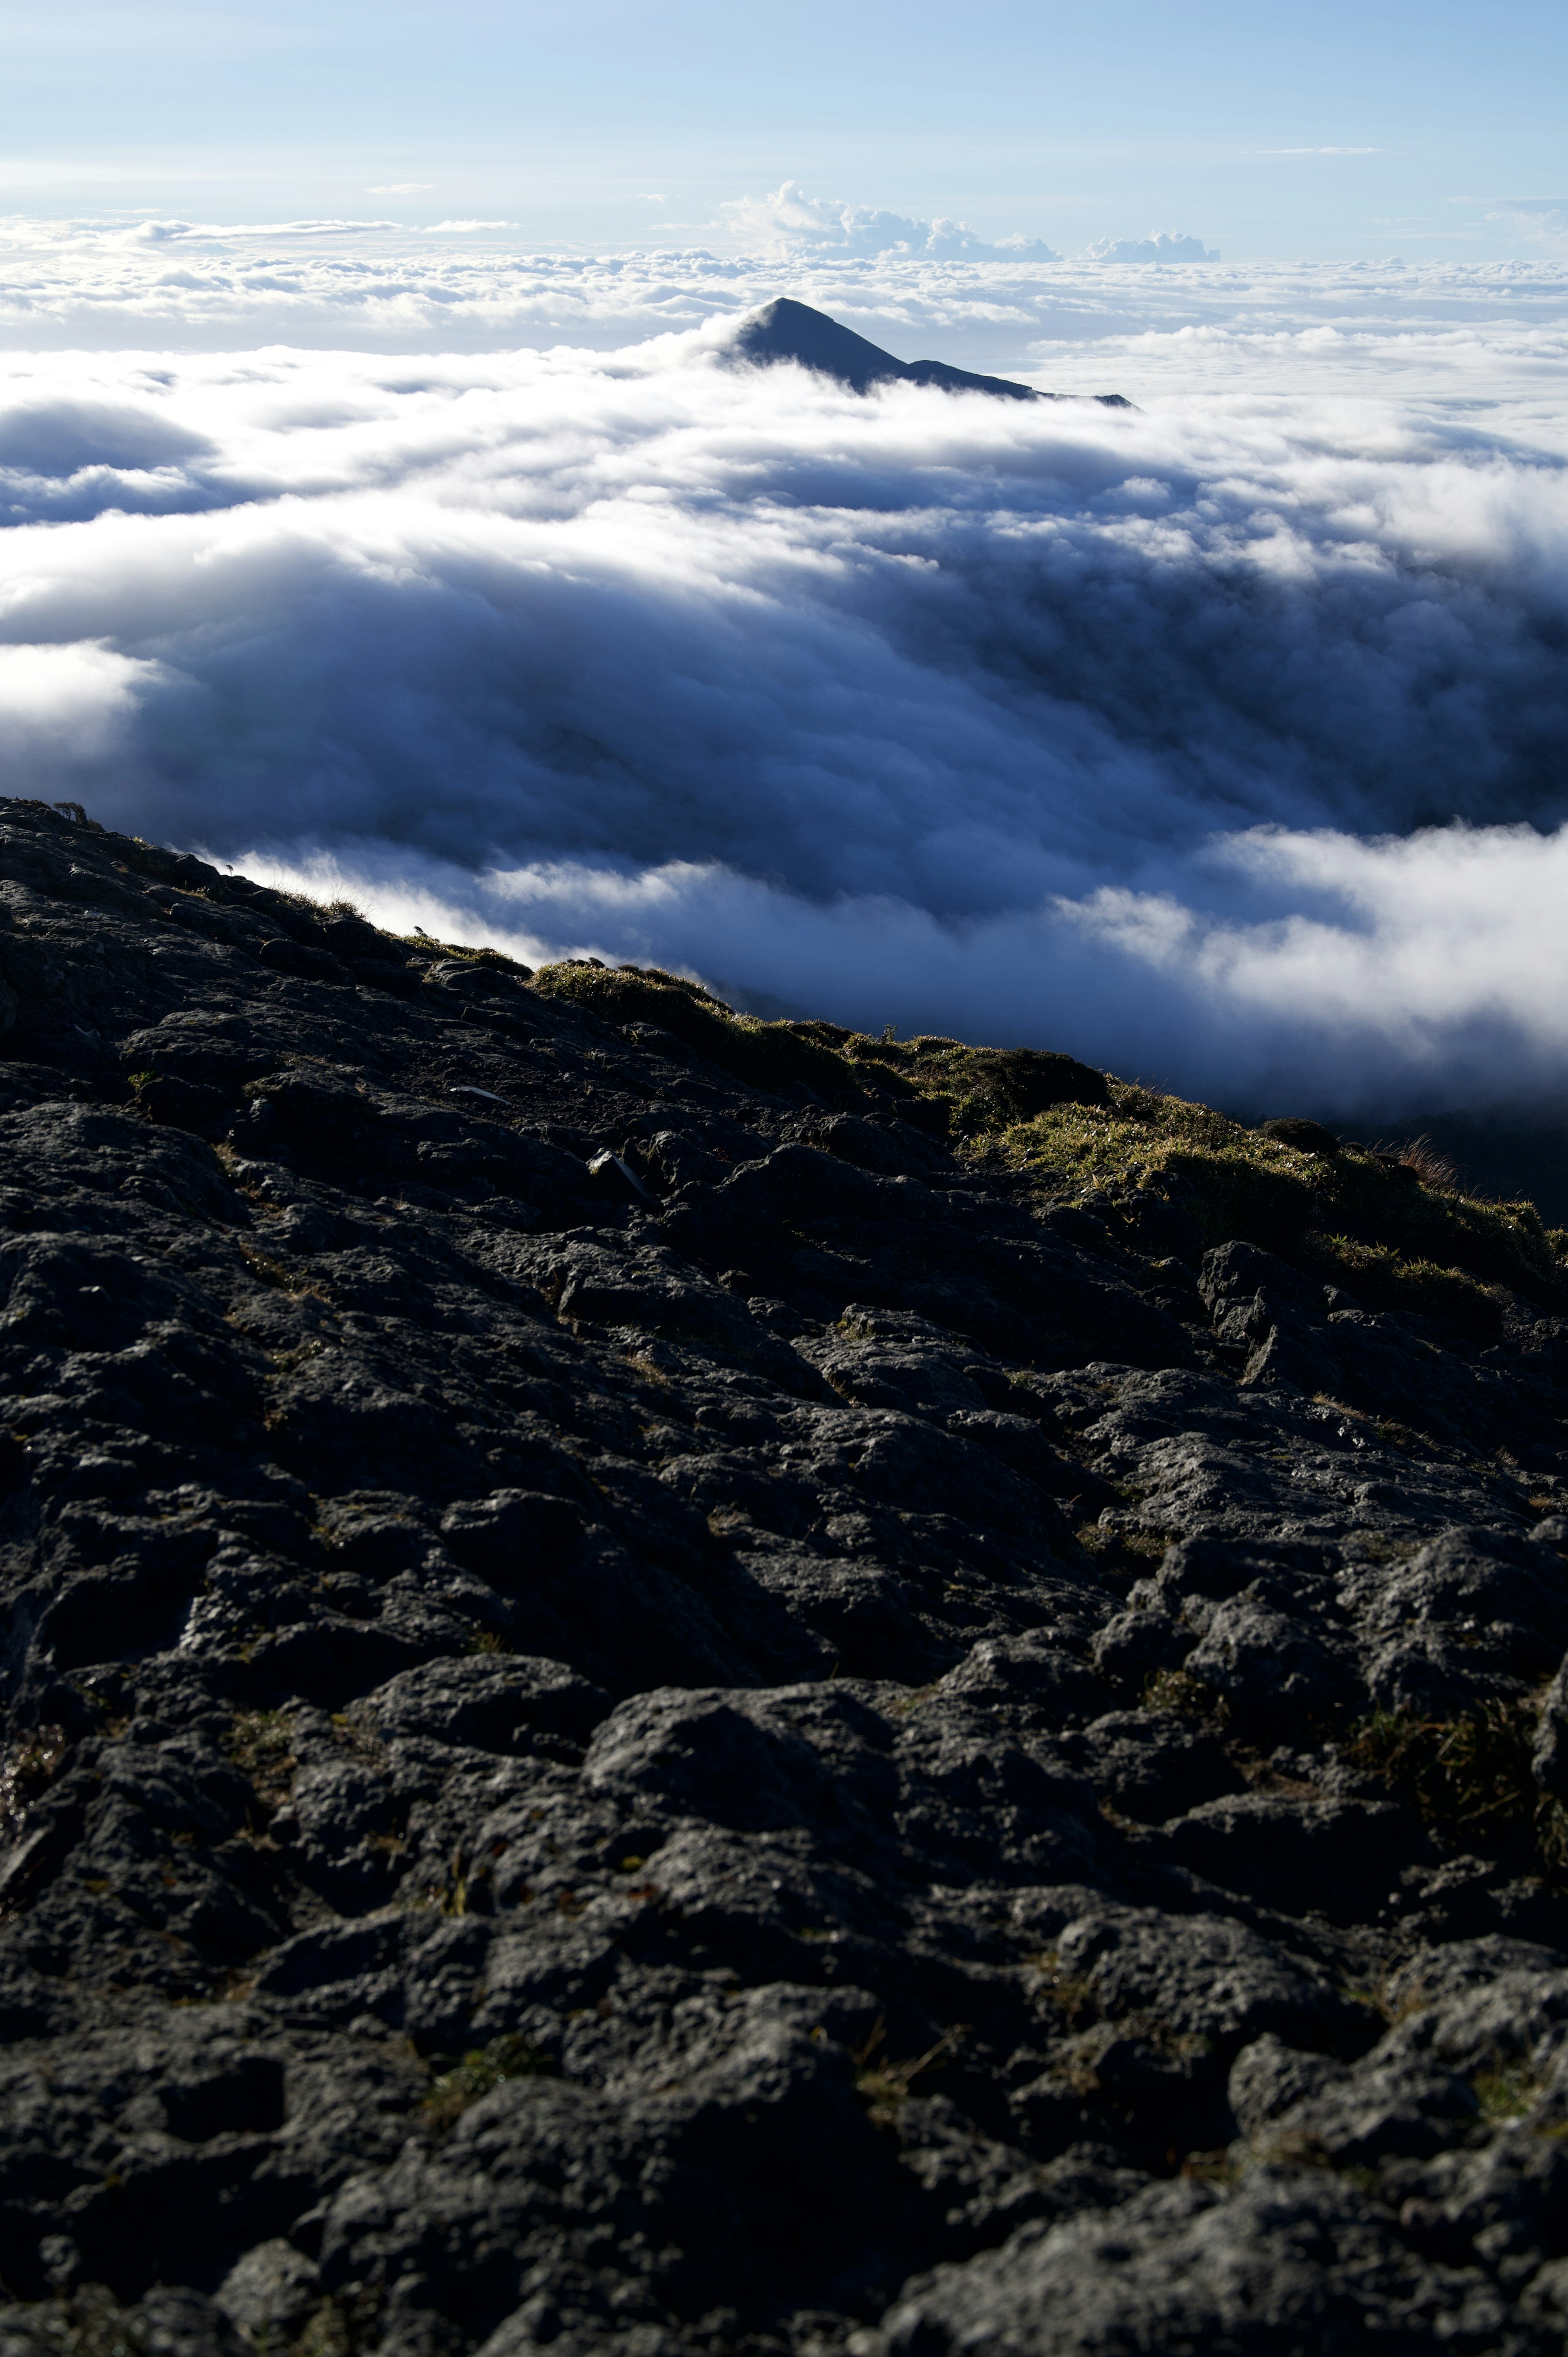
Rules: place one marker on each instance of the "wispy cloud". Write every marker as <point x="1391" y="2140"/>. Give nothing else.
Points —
<point x="1544" y="218"/>
<point x="402" y="188"/>
<point x="1319" y="151"/>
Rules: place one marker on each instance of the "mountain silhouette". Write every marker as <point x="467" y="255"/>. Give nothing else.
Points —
<point x="787" y="331"/>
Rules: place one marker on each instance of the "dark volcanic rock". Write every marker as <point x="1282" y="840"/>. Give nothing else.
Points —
<point x="787" y="331"/>
<point x="647" y="1710"/>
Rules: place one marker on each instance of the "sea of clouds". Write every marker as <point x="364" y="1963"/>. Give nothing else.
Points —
<point x="1223" y="740"/>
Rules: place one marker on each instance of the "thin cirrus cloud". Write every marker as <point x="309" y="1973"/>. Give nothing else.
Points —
<point x="1543" y="218"/>
<point x="1218" y="740"/>
<point x="402" y="188"/>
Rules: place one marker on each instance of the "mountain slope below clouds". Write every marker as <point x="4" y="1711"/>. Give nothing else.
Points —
<point x="676" y="1685"/>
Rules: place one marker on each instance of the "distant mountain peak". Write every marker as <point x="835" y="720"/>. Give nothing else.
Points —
<point x="787" y="331"/>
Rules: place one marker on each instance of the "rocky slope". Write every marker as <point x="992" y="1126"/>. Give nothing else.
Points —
<point x="680" y="1685"/>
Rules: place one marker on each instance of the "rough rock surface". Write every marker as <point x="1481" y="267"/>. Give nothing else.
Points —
<point x="644" y="1715"/>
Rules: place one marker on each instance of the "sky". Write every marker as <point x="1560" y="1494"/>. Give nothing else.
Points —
<point x="1323" y="132"/>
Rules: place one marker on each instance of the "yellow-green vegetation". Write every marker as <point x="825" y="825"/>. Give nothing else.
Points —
<point x="884" y="2086"/>
<point x="431" y="947"/>
<point x="480" y="2070"/>
<point x="1182" y="1697"/>
<point x="1507" y="2090"/>
<point x="259" y="1745"/>
<point x="1471" y="1776"/>
<point x="340" y="2326"/>
<point x="762" y="1055"/>
<point x="29" y="1769"/>
<point x="1362" y="1220"/>
<point x="88" y="2322"/>
<point x="977" y="1092"/>
<point x="1391" y="1236"/>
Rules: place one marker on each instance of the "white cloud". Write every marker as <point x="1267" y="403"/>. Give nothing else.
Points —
<point x="1317" y="151"/>
<point x="65" y="708"/>
<point x="1166" y="245"/>
<point x="1543" y="218"/>
<point x="1218" y="740"/>
<point x="402" y="188"/>
<point x="788" y="221"/>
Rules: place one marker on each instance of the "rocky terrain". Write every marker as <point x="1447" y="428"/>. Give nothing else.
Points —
<point x="676" y="1684"/>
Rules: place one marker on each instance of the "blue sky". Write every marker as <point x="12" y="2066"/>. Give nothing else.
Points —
<point x="1331" y="132"/>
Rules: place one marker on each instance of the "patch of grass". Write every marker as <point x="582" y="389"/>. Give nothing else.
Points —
<point x="88" y="2322"/>
<point x="29" y="1767"/>
<point x="884" y="2086"/>
<point x="1122" y="1553"/>
<point x="1074" y="1994"/>
<point x="1175" y="1692"/>
<point x="280" y="1277"/>
<point x="464" y="2081"/>
<point x="1508" y="2089"/>
<point x="1389" y="1233"/>
<point x="763" y="1055"/>
<point x="1469" y="1775"/>
<point x="1400" y="1437"/>
<point x="1213" y="2168"/>
<point x="259" y="1745"/>
<point x="342" y="2325"/>
<point x="1384" y="1279"/>
<point x="431" y="947"/>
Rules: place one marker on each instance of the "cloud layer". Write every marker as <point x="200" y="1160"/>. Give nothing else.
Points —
<point x="1221" y="740"/>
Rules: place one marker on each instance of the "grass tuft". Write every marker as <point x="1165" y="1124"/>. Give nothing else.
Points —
<point x="884" y="2086"/>
<point x="1470" y="1775"/>
<point x="483" y="2068"/>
